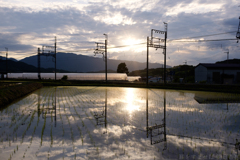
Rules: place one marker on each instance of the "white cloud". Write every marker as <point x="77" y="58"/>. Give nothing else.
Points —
<point x="114" y="18"/>
<point x="195" y="8"/>
<point x="78" y="24"/>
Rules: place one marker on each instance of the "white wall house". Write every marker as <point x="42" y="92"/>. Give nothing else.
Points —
<point x="217" y="73"/>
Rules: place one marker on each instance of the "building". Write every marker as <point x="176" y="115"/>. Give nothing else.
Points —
<point x="217" y="73"/>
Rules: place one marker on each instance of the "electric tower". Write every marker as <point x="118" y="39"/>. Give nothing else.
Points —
<point x="156" y="42"/>
<point x="101" y="48"/>
<point x="47" y="51"/>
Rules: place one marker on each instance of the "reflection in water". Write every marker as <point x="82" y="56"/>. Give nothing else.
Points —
<point x="47" y="111"/>
<point x="130" y="105"/>
<point x="216" y="98"/>
<point x="101" y="118"/>
<point x="156" y="131"/>
<point x="118" y="123"/>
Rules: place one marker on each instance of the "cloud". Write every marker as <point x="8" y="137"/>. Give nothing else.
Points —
<point x="25" y="26"/>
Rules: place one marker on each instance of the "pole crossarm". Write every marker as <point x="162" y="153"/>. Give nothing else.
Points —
<point x="100" y="118"/>
<point x="50" y="47"/>
<point x="156" y="126"/>
<point x="101" y="48"/>
<point x="48" y="54"/>
<point x="157" y="31"/>
<point x="154" y="131"/>
<point x="156" y="46"/>
<point x="52" y="53"/>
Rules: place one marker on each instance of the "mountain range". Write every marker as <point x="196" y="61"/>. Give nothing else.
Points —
<point x="81" y="63"/>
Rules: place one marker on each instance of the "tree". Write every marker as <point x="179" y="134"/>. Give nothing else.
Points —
<point x="65" y="77"/>
<point x="122" y="68"/>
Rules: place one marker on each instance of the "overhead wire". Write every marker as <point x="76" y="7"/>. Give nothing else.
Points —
<point x="180" y="40"/>
<point x="205" y="35"/>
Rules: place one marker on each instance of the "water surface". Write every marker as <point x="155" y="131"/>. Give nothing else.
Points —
<point x="120" y="123"/>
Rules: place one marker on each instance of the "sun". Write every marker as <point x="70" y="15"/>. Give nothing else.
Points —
<point x="130" y="41"/>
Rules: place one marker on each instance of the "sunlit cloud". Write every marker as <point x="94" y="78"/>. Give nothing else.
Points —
<point x="195" y="8"/>
<point x="114" y="18"/>
<point x="79" y="24"/>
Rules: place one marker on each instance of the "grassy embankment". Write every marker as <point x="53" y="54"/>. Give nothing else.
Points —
<point x="12" y="91"/>
<point x="176" y="86"/>
<point x="173" y="86"/>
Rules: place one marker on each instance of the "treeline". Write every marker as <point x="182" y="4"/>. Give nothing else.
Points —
<point x="182" y="71"/>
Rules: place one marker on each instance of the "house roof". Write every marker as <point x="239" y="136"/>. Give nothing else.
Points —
<point x="219" y="65"/>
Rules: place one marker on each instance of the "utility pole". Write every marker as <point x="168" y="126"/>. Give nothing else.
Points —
<point x="147" y="59"/>
<point x="55" y="50"/>
<point x="238" y="32"/>
<point x="185" y="62"/>
<point x="185" y="68"/>
<point x="48" y="53"/>
<point x="147" y="111"/>
<point x="39" y="70"/>
<point x="165" y="51"/>
<point x="106" y="39"/>
<point x="6" y="62"/>
<point x="105" y="109"/>
<point x="164" y="119"/>
<point x="157" y="44"/>
<point x="227" y="55"/>
<point x="101" y="48"/>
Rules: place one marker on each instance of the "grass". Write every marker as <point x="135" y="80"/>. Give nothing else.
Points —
<point x="193" y="87"/>
<point x="11" y="93"/>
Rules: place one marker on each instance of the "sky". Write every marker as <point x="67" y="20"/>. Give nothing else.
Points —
<point x="78" y="24"/>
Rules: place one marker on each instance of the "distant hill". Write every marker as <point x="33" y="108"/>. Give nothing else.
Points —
<point x="230" y="61"/>
<point x="18" y="67"/>
<point x="81" y="63"/>
<point x="3" y="58"/>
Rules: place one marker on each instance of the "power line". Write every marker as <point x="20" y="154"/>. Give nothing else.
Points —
<point x="205" y="35"/>
<point x="206" y="40"/>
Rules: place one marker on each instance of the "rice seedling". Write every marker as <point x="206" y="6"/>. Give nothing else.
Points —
<point x="183" y="119"/>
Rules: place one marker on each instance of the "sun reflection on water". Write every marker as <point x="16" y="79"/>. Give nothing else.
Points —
<point x="130" y="101"/>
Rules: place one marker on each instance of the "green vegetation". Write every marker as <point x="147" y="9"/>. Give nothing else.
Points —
<point x="65" y="77"/>
<point x="122" y="68"/>
<point x="10" y="92"/>
<point x="181" y="71"/>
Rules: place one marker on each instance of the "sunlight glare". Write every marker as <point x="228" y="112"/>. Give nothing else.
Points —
<point x="130" y="97"/>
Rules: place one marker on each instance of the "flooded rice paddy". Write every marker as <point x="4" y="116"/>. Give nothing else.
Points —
<point x="121" y="123"/>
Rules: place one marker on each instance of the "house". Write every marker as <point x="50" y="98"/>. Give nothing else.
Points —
<point x="154" y="79"/>
<point x="217" y="73"/>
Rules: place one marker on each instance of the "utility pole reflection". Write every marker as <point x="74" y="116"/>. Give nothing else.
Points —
<point x="101" y="118"/>
<point x="39" y="102"/>
<point x="157" y="129"/>
<point x="47" y="111"/>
